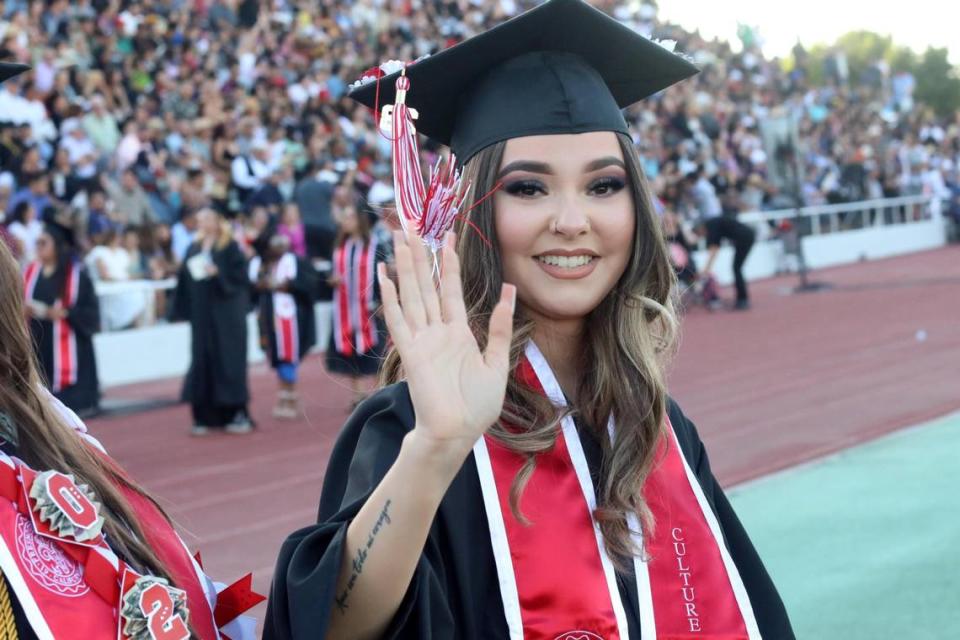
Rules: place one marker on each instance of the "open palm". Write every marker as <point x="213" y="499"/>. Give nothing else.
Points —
<point x="457" y="390"/>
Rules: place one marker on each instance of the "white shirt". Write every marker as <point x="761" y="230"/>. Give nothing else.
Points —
<point x="77" y="150"/>
<point x="27" y="234"/>
<point x="242" y="176"/>
<point x="115" y="261"/>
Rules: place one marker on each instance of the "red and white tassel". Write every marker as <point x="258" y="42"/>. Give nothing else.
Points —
<point x="427" y="211"/>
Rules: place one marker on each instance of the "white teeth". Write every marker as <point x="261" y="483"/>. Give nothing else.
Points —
<point x="565" y="262"/>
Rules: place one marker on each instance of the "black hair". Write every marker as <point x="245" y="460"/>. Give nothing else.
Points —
<point x="20" y="212"/>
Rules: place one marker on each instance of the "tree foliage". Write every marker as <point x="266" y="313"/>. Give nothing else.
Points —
<point x="938" y="82"/>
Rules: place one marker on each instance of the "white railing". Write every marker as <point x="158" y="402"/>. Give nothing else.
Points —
<point x="133" y="286"/>
<point x="833" y="218"/>
<point x="148" y="289"/>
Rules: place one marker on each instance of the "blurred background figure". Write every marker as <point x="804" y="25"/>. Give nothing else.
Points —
<point x="213" y="295"/>
<point x="724" y="227"/>
<point x="25" y="229"/>
<point x="284" y="284"/>
<point x="64" y="315"/>
<point x="110" y="261"/>
<point x="358" y="335"/>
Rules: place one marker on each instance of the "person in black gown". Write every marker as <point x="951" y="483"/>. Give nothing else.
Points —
<point x="487" y="491"/>
<point x="213" y="293"/>
<point x="64" y="315"/>
<point x="284" y="284"/>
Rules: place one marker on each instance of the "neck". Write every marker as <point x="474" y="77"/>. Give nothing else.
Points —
<point x="561" y="342"/>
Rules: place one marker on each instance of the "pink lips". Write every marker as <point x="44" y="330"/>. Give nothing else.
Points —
<point x="568" y="273"/>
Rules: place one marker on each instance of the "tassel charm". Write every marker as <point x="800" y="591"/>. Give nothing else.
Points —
<point x="428" y="211"/>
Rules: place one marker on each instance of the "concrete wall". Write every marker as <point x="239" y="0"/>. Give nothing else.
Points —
<point x="830" y="250"/>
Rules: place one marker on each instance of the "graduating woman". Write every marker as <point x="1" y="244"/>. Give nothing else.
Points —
<point x="358" y="336"/>
<point x="213" y="293"/>
<point x="526" y="475"/>
<point x="84" y="551"/>
<point x="64" y="314"/>
<point x="285" y="284"/>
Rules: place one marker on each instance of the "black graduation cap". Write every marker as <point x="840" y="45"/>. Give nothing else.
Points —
<point x="10" y="69"/>
<point x="562" y="67"/>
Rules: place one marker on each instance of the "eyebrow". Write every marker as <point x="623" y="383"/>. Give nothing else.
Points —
<point x="543" y="167"/>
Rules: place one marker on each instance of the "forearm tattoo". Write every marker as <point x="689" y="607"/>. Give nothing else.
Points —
<point x="361" y="557"/>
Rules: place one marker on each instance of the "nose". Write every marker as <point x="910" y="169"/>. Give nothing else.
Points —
<point x="571" y="219"/>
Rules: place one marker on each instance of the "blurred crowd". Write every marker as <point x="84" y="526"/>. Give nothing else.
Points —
<point x="138" y="115"/>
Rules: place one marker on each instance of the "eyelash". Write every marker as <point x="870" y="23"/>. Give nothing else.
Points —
<point x="518" y="188"/>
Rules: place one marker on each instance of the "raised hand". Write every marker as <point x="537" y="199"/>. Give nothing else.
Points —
<point x="457" y="390"/>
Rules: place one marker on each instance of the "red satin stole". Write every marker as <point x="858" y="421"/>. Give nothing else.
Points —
<point x="562" y="584"/>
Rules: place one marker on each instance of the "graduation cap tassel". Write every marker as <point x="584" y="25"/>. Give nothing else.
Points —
<point x="429" y="211"/>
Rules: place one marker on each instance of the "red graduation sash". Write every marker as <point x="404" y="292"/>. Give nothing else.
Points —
<point x="285" y="329"/>
<point x="354" y="330"/>
<point x="73" y="589"/>
<point x="286" y="332"/>
<point x="64" y="372"/>
<point x="556" y="579"/>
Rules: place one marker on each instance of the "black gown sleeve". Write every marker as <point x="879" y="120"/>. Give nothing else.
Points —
<point x="305" y="284"/>
<point x="180" y="309"/>
<point x="304" y="583"/>
<point x="84" y="316"/>
<point x="232" y="277"/>
<point x="768" y="608"/>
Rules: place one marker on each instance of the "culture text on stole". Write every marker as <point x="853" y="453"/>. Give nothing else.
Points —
<point x="689" y="601"/>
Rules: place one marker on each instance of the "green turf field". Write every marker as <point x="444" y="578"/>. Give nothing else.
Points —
<point x="865" y="544"/>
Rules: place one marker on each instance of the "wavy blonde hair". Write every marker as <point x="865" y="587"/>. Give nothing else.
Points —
<point x="224" y="229"/>
<point x="629" y="339"/>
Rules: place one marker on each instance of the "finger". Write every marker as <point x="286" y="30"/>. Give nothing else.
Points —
<point x="451" y="289"/>
<point x="396" y="323"/>
<point x="423" y="263"/>
<point x="410" y="301"/>
<point x="497" y="354"/>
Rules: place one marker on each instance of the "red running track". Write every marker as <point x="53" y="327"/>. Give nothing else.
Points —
<point x="795" y="378"/>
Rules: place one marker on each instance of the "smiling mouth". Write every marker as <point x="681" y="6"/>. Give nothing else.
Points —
<point x="566" y="262"/>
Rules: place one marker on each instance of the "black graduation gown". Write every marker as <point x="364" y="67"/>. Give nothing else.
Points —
<point x="217" y="310"/>
<point x="84" y="319"/>
<point x="454" y="592"/>
<point x="302" y="288"/>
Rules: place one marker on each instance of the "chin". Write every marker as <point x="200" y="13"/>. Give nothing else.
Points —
<point x="563" y="305"/>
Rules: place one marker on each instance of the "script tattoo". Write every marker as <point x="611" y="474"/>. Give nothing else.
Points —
<point x="361" y="558"/>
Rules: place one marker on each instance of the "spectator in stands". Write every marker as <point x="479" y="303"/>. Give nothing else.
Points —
<point x="291" y="227"/>
<point x="163" y="262"/>
<point x="35" y="192"/>
<point x="704" y="194"/>
<point x="314" y="196"/>
<point x="249" y="171"/>
<point x="6" y="190"/>
<point x="101" y="127"/>
<point x="183" y="233"/>
<point x="109" y="262"/>
<point x="193" y="195"/>
<point x="80" y="150"/>
<point x="64" y="181"/>
<point x="213" y="293"/>
<point x="130" y="205"/>
<point x="139" y="267"/>
<point x="98" y="220"/>
<point x="25" y="229"/>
